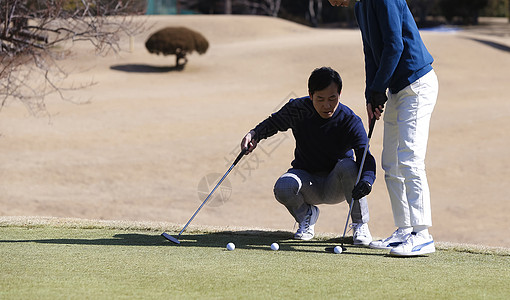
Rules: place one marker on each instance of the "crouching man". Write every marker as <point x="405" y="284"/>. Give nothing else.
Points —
<point x="328" y="136"/>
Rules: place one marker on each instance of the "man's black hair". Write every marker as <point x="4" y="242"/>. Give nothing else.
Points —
<point x="321" y="78"/>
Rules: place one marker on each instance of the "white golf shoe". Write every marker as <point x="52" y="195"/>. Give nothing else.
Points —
<point x="361" y="234"/>
<point x="306" y="227"/>
<point x="416" y="244"/>
<point x="396" y="238"/>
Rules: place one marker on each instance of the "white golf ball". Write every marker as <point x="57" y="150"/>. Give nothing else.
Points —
<point x="275" y="246"/>
<point x="231" y="246"/>
<point x="337" y="249"/>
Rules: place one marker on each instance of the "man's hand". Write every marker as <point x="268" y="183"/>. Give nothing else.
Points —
<point x="375" y="106"/>
<point x="344" y="3"/>
<point x="361" y="189"/>
<point x="249" y="142"/>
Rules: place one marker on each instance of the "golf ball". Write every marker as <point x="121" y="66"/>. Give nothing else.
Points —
<point x="337" y="249"/>
<point x="231" y="246"/>
<point x="275" y="246"/>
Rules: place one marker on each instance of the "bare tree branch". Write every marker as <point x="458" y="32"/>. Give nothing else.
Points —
<point x="34" y="32"/>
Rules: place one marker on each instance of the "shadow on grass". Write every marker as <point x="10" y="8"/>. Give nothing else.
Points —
<point x="252" y="239"/>
<point x="262" y="240"/>
<point x="141" y="68"/>
<point x="128" y="239"/>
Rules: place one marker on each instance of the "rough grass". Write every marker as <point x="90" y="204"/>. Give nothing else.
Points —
<point x="48" y="258"/>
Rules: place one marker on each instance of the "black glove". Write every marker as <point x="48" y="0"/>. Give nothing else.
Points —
<point x="361" y="189"/>
<point x="376" y="99"/>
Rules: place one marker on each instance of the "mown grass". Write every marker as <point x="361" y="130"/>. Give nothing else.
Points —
<point x="54" y="262"/>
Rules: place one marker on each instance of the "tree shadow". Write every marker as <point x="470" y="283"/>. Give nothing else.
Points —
<point x="142" y="68"/>
<point x="128" y="239"/>
<point x="492" y="44"/>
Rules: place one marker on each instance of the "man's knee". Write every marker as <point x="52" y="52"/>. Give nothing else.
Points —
<point x="346" y="169"/>
<point x="287" y="187"/>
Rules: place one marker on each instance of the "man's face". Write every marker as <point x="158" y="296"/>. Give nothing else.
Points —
<point x="344" y="3"/>
<point x="326" y="101"/>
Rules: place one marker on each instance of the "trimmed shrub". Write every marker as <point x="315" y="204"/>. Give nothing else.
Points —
<point x="178" y="41"/>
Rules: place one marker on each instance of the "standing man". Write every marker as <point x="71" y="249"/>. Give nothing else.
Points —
<point x="324" y="171"/>
<point x="397" y="60"/>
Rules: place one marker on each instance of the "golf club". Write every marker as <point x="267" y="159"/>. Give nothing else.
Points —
<point x="176" y="240"/>
<point x="370" y="131"/>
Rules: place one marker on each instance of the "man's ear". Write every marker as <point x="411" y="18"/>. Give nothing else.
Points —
<point x="310" y="94"/>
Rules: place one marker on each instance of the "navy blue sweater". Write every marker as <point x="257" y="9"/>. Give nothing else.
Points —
<point x="320" y="143"/>
<point x="395" y="55"/>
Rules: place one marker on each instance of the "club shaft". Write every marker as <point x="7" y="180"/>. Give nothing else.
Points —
<point x="214" y="189"/>
<point x="206" y="199"/>
<point x="357" y="180"/>
<point x="370" y="131"/>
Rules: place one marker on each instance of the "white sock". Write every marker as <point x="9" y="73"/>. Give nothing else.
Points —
<point x="406" y="230"/>
<point x="421" y="230"/>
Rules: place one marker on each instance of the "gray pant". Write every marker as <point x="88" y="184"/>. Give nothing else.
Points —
<point x="297" y="190"/>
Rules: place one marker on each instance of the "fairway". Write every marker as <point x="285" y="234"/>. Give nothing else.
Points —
<point x="52" y="262"/>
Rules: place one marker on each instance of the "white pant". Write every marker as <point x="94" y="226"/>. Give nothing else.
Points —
<point x="406" y="130"/>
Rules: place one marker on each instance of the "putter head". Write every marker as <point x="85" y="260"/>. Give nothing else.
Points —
<point x="170" y="238"/>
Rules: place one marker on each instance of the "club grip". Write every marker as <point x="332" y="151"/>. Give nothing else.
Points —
<point x="238" y="158"/>
<point x="371" y="127"/>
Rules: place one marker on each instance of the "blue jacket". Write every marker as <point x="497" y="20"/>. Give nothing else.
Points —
<point x="395" y="55"/>
<point x="320" y="143"/>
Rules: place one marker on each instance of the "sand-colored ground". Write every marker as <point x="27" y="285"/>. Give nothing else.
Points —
<point x="145" y="135"/>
